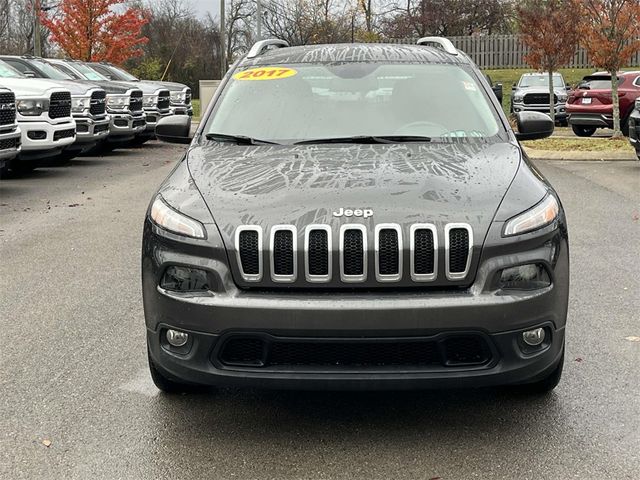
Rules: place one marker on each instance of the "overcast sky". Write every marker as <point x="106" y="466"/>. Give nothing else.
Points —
<point x="204" y="6"/>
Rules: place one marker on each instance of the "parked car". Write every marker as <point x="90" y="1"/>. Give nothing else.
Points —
<point x="180" y="93"/>
<point x="590" y="106"/>
<point x="88" y="102"/>
<point x="43" y="111"/>
<point x="155" y="101"/>
<point x="124" y="103"/>
<point x="348" y="241"/>
<point x="531" y="94"/>
<point x="634" y="127"/>
<point x="9" y="130"/>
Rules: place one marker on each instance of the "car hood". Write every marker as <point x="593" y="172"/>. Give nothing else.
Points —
<point x="76" y="87"/>
<point x="147" y="88"/>
<point x="171" y="86"/>
<point x="401" y="183"/>
<point x="524" y="90"/>
<point x="31" y="86"/>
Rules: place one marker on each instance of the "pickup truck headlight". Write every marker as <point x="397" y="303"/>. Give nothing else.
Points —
<point x="166" y="217"/>
<point x="150" y="100"/>
<point x="80" y="104"/>
<point x="638" y="104"/>
<point x="32" y="107"/>
<point x="178" y="97"/>
<point x="562" y="97"/>
<point x="518" y="97"/>
<point x="117" y="102"/>
<point x="537" y="217"/>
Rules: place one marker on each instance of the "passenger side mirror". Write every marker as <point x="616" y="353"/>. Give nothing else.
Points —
<point x="29" y="74"/>
<point x="174" y="129"/>
<point x="533" y="125"/>
<point x="497" y="90"/>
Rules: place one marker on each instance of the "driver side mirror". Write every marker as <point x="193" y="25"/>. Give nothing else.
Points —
<point x="533" y="125"/>
<point x="174" y="129"/>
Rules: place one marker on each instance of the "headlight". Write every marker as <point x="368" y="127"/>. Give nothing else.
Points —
<point x="169" y="219"/>
<point x="33" y="107"/>
<point x="150" y="100"/>
<point x="117" y="102"/>
<point x="178" y="97"/>
<point x="537" y="217"/>
<point x="562" y="97"/>
<point x="80" y="104"/>
<point x="638" y="104"/>
<point x="518" y="97"/>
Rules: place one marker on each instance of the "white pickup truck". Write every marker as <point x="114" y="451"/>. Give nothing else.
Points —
<point x="9" y="130"/>
<point x="43" y="112"/>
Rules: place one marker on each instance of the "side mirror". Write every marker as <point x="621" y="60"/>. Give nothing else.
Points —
<point x="497" y="90"/>
<point x="568" y="87"/>
<point x="174" y="129"/>
<point x="533" y="125"/>
<point x="513" y="87"/>
<point x="29" y="74"/>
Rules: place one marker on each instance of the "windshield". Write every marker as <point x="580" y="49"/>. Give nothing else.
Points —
<point x="88" y="72"/>
<point x="51" y="71"/>
<point x="287" y="104"/>
<point x="541" y="81"/>
<point x="113" y="73"/>
<point x="7" y="71"/>
<point x="123" y="74"/>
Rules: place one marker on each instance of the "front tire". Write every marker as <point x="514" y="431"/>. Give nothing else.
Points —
<point x="581" y="131"/>
<point x="546" y="384"/>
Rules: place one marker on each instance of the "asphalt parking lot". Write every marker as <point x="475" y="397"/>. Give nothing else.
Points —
<point x="77" y="400"/>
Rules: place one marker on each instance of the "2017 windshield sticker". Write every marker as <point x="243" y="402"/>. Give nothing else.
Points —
<point x="265" y="73"/>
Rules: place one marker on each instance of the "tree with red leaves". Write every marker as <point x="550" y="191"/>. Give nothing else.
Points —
<point x="550" y="28"/>
<point x="97" y="30"/>
<point x="610" y="35"/>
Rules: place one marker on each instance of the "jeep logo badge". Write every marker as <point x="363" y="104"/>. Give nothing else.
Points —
<point x="358" y="212"/>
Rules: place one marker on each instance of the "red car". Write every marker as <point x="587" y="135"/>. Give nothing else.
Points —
<point x="590" y="106"/>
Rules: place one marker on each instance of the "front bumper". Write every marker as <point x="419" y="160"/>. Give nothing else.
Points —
<point x="125" y="126"/>
<point x="560" y="109"/>
<point x="42" y="139"/>
<point x="90" y="131"/>
<point x="498" y="317"/>
<point x="153" y="116"/>
<point x="10" y="142"/>
<point x="182" y="109"/>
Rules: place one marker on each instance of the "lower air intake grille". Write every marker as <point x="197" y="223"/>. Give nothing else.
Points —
<point x="283" y="252"/>
<point x="458" y="250"/>
<point x="423" y="252"/>
<point x="388" y="254"/>
<point x="249" y="252"/>
<point x="353" y="252"/>
<point x="335" y="354"/>
<point x="60" y="134"/>
<point x="318" y="255"/>
<point x="9" y="143"/>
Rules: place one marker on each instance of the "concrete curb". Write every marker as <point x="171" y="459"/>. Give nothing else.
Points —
<point x="536" y="154"/>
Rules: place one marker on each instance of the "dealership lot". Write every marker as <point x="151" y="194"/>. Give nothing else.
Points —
<point x="78" y="402"/>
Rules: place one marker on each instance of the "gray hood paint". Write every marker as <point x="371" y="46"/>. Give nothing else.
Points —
<point x="402" y="183"/>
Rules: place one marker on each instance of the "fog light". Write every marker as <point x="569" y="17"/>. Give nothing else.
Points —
<point x="532" y="337"/>
<point x="525" y="277"/>
<point x="184" y="279"/>
<point x="176" y="338"/>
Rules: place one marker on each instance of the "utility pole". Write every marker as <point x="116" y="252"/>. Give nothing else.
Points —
<point x="223" y="48"/>
<point x="37" y="44"/>
<point x="259" y="19"/>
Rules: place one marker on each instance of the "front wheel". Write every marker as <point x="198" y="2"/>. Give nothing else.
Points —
<point x="581" y="131"/>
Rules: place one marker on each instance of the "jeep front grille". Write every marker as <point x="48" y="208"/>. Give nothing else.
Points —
<point x="7" y="108"/>
<point x="60" y="105"/>
<point x="282" y="254"/>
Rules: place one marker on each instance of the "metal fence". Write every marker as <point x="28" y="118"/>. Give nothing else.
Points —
<point x="508" y="51"/>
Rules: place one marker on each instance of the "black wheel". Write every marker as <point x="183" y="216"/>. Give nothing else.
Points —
<point x="625" y="127"/>
<point x="139" y="141"/>
<point x="4" y="170"/>
<point x="581" y="131"/>
<point x="22" y="167"/>
<point x="545" y="385"/>
<point x="564" y="123"/>
<point x="166" y="384"/>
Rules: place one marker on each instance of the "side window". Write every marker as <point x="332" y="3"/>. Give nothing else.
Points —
<point x="636" y="82"/>
<point x="100" y="69"/>
<point x="18" y="65"/>
<point x="68" y="71"/>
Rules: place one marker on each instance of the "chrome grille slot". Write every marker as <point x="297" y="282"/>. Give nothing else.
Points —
<point x="388" y="248"/>
<point x="248" y="243"/>
<point x="353" y="258"/>
<point x="282" y="252"/>
<point x="317" y="255"/>
<point x="459" y="241"/>
<point x="424" y="252"/>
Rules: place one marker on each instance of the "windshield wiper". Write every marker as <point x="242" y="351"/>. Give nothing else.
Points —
<point x="239" y="139"/>
<point x="368" y="139"/>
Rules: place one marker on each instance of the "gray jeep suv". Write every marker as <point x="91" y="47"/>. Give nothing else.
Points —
<point x="355" y="217"/>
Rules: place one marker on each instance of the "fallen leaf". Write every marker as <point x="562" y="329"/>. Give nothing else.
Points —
<point x="74" y="204"/>
<point x="145" y="164"/>
<point x="579" y="359"/>
<point x="46" y="442"/>
<point x="632" y="339"/>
